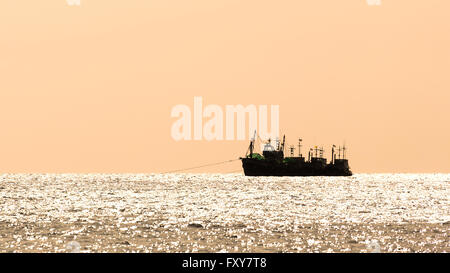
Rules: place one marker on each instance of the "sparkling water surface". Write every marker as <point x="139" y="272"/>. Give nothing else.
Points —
<point x="224" y="213"/>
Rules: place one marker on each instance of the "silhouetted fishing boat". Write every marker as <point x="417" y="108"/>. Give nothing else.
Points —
<point x="272" y="162"/>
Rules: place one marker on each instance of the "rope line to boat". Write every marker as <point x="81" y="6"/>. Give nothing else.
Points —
<point x="202" y="166"/>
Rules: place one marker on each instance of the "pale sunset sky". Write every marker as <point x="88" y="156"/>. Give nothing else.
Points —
<point x="90" y="88"/>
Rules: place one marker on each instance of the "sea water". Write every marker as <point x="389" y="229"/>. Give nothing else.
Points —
<point x="224" y="213"/>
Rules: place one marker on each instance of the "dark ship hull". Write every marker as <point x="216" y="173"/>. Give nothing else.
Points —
<point x="257" y="167"/>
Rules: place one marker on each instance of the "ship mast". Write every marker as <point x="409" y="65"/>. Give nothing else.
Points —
<point x="292" y="150"/>
<point x="252" y="145"/>
<point x="299" y="147"/>
<point x="332" y="154"/>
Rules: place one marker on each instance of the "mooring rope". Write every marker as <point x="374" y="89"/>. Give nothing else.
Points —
<point x="202" y="166"/>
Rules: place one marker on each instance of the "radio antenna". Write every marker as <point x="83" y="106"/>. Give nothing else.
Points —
<point x="343" y="151"/>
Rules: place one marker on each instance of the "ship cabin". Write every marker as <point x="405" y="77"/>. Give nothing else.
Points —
<point x="270" y="153"/>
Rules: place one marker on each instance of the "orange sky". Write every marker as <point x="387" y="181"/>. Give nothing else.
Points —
<point x="91" y="88"/>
